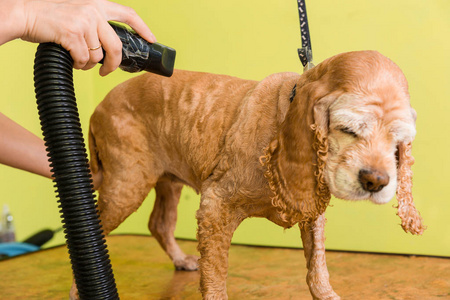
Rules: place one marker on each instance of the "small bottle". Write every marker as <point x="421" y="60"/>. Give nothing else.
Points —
<point x="8" y="231"/>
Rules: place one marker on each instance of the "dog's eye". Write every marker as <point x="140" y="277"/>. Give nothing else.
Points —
<point x="347" y="130"/>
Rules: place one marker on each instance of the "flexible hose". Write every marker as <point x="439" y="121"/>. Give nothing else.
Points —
<point x="53" y="78"/>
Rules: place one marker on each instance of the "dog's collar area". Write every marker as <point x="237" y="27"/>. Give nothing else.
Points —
<point x="291" y="97"/>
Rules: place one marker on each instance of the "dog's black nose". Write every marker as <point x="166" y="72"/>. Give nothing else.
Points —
<point x="372" y="180"/>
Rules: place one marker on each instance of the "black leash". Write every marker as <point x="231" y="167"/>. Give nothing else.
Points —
<point x="304" y="53"/>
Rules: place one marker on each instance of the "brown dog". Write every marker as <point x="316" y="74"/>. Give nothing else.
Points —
<point x="272" y="149"/>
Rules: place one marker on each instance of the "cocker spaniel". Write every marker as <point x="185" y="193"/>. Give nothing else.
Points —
<point x="274" y="149"/>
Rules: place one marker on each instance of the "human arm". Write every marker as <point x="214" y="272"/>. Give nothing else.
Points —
<point x="19" y="148"/>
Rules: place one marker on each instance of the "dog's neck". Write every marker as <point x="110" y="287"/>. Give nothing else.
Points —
<point x="293" y="169"/>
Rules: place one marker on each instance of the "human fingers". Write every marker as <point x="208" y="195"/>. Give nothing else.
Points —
<point x="127" y="15"/>
<point x="94" y="47"/>
<point x="75" y="43"/>
<point x="112" y="46"/>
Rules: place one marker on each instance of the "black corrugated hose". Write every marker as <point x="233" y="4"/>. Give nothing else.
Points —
<point x="65" y="144"/>
<point x="58" y="112"/>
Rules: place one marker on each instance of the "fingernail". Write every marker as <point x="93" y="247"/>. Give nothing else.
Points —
<point x="102" y="72"/>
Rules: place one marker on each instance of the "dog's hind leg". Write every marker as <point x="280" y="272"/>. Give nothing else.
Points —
<point x="119" y="197"/>
<point x="162" y="224"/>
<point x="317" y="278"/>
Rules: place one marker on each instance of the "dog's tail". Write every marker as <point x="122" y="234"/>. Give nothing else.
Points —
<point x="94" y="162"/>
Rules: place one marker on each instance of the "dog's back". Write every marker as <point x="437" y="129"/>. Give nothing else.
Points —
<point x="184" y="121"/>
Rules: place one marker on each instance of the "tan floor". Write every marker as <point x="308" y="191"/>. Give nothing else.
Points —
<point x="143" y="271"/>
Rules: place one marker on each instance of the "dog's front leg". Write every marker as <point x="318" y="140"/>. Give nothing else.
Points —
<point x="318" y="279"/>
<point x="216" y="224"/>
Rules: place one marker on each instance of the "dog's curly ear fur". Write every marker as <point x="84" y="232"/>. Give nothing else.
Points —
<point x="411" y="219"/>
<point x="295" y="160"/>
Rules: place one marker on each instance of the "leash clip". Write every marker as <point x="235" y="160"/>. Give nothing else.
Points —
<point x="305" y="55"/>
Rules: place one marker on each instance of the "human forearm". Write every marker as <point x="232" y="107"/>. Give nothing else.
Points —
<point x="21" y="149"/>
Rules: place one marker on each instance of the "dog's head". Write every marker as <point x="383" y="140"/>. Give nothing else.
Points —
<point x="365" y="134"/>
<point x="369" y="127"/>
<point x="354" y="110"/>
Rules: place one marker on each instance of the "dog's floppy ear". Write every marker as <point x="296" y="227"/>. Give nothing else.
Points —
<point x="295" y="160"/>
<point x="411" y="219"/>
<point x="320" y="144"/>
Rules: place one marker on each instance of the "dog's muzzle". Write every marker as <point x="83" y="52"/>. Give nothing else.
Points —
<point x="373" y="181"/>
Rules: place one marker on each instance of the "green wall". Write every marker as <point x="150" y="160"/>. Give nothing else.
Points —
<point x="251" y="40"/>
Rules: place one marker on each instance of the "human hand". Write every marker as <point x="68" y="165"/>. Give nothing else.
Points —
<point x="80" y="26"/>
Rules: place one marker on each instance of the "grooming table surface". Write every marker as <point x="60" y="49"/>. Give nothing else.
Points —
<point x="143" y="271"/>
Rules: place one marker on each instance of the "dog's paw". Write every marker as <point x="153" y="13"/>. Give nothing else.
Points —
<point x="189" y="263"/>
<point x="73" y="295"/>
